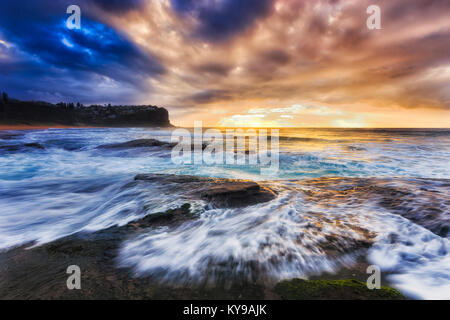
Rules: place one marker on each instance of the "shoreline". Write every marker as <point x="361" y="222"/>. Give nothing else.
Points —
<point x="5" y="127"/>
<point x="41" y="127"/>
<point x="57" y="126"/>
<point x="104" y="278"/>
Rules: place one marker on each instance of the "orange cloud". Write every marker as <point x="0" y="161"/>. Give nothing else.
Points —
<point x="305" y="53"/>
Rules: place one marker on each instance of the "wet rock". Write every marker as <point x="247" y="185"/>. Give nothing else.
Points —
<point x="143" y="143"/>
<point x="21" y="147"/>
<point x="165" y="179"/>
<point x="140" y="143"/>
<point x="40" y="272"/>
<point x="68" y="144"/>
<point x="219" y="193"/>
<point x="237" y="194"/>
<point x="170" y="217"/>
<point x="335" y="245"/>
<point x="10" y="136"/>
<point x="422" y="201"/>
<point x="34" y="145"/>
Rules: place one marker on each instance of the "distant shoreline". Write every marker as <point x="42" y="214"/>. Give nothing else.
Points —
<point x="22" y="115"/>
<point x="4" y="127"/>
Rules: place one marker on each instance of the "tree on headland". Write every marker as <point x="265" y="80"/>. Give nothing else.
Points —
<point x="2" y="104"/>
<point x="5" y="97"/>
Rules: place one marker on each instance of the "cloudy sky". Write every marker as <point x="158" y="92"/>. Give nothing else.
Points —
<point x="299" y="63"/>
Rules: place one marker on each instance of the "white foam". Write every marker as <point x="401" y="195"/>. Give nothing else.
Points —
<point x="277" y="235"/>
<point x="418" y="259"/>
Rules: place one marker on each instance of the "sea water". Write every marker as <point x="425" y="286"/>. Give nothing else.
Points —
<point x="71" y="186"/>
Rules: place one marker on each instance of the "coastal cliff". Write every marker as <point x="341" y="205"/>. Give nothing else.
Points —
<point x="16" y="112"/>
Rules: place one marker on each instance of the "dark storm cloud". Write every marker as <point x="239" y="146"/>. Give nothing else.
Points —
<point x="48" y="49"/>
<point x="276" y="56"/>
<point x="220" y="20"/>
<point x="208" y="96"/>
<point x="213" y="68"/>
<point x="29" y="79"/>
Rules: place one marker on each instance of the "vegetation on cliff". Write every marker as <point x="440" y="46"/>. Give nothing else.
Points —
<point x="298" y="289"/>
<point x="18" y="112"/>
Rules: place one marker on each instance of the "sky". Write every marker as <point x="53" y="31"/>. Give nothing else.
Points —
<point x="244" y="63"/>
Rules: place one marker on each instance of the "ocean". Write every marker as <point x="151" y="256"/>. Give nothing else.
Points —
<point x="383" y="194"/>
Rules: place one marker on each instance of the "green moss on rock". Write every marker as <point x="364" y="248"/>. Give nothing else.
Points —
<point x="298" y="289"/>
